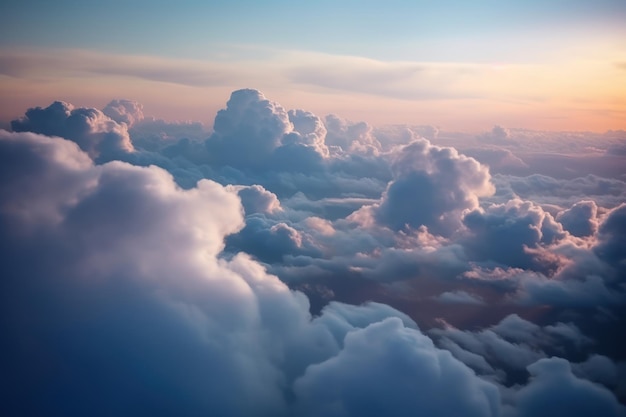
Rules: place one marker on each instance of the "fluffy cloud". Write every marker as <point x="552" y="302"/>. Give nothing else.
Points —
<point x="256" y="199"/>
<point x="248" y="130"/>
<point x="496" y="135"/>
<point x="554" y="390"/>
<point x="612" y="239"/>
<point x="95" y="133"/>
<point x="124" y="111"/>
<point x="345" y="136"/>
<point x="310" y="129"/>
<point x="388" y="352"/>
<point x="507" y="233"/>
<point x="432" y="186"/>
<point x="580" y="219"/>
<point x="254" y="133"/>
<point x="510" y="345"/>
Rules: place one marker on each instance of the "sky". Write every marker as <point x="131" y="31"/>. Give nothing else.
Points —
<point x="545" y="65"/>
<point x="333" y="209"/>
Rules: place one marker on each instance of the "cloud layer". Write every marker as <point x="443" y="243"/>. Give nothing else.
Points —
<point x="290" y="264"/>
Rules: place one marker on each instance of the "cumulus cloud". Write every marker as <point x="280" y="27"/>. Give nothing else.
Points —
<point x="580" y="219"/>
<point x="554" y="390"/>
<point x="432" y="186"/>
<point x="386" y="352"/>
<point x="496" y="135"/>
<point x="256" y="199"/>
<point x="612" y="238"/>
<point x="95" y="133"/>
<point x="347" y="136"/>
<point x="124" y="111"/>
<point x="507" y="233"/>
<point x="508" y="347"/>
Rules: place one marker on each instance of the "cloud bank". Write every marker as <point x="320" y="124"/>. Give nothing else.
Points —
<point x="291" y="264"/>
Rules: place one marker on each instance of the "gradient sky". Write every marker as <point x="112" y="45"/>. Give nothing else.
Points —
<point x="558" y="65"/>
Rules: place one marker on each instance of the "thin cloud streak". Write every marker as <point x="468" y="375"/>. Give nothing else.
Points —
<point x="517" y="89"/>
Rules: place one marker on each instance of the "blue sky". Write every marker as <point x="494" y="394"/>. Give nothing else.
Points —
<point x="363" y="28"/>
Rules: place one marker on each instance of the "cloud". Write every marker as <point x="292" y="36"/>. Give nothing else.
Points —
<point x="254" y="133"/>
<point x="95" y="133"/>
<point x="612" y="239"/>
<point x="504" y="233"/>
<point x="124" y="111"/>
<point x="588" y="292"/>
<point x="459" y="297"/>
<point x="386" y="352"/>
<point x="432" y="186"/>
<point x="580" y="219"/>
<point x="499" y="160"/>
<point x="256" y="199"/>
<point x="82" y="63"/>
<point x="349" y="136"/>
<point x="402" y="80"/>
<point x="598" y="368"/>
<point x="554" y="390"/>
<point x="500" y="352"/>
<point x="606" y="191"/>
<point x="311" y="130"/>
<point x="497" y="135"/>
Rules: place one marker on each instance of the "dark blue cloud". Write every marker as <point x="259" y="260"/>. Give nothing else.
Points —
<point x="554" y="390"/>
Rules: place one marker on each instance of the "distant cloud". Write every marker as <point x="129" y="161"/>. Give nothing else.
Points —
<point x="20" y="64"/>
<point x="407" y="81"/>
<point x="432" y="186"/>
<point x="90" y="128"/>
<point x="459" y="297"/>
<point x="497" y="135"/>
<point x="124" y="111"/>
